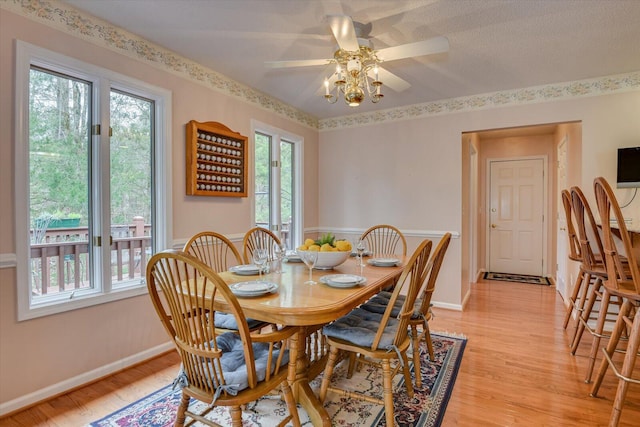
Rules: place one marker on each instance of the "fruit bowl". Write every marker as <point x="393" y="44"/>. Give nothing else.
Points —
<point x="329" y="260"/>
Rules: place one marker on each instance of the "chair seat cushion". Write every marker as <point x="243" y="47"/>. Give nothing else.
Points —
<point x="360" y="327"/>
<point x="233" y="363"/>
<point x="379" y="303"/>
<point x="228" y="321"/>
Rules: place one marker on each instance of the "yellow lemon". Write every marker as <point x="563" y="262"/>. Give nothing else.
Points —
<point x="343" y="245"/>
<point x="303" y="247"/>
<point x="315" y="248"/>
<point x="309" y="242"/>
<point x="326" y="248"/>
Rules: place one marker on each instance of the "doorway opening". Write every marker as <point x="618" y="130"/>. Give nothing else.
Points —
<point x="482" y="147"/>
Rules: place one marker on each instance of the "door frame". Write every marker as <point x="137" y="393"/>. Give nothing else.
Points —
<point x="545" y="205"/>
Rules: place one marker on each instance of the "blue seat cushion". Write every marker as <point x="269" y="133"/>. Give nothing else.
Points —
<point x="228" y="321"/>
<point x="379" y="303"/>
<point x="360" y="327"/>
<point x="233" y="363"/>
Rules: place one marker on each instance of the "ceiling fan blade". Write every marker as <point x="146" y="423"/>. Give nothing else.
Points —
<point x="297" y="63"/>
<point x="344" y="32"/>
<point x="425" y="47"/>
<point x="390" y="80"/>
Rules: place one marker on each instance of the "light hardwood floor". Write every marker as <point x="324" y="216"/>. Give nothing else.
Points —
<point x="516" y="370"/>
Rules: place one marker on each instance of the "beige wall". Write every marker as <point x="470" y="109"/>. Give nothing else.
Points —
<point x="57" y="351"/>
<point x="407" y="173"/>
<point x="410" y="172"/>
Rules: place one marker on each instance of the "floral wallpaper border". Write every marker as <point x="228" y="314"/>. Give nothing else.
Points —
<point x="545" y="93"/>
<point x="92" y="29"/>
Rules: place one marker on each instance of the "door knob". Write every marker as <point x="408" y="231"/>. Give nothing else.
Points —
<point x="493" y="226"/>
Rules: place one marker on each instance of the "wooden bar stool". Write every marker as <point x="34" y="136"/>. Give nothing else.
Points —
<point x="592" y="263"/>
<point x="623" y="280"/>
<point x="584" y="280"/>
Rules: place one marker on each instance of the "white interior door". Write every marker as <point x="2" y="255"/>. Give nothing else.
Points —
<point x="516" y="216"/>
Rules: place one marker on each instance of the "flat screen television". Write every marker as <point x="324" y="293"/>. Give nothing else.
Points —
<point x="629" y="167"/>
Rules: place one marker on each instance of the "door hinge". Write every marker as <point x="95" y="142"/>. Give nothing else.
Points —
<point x="275" y="163"/>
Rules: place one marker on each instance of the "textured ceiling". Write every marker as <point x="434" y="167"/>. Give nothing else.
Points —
<point x="494" y="44"/>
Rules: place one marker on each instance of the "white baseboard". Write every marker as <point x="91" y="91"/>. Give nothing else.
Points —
<point x="80" y="380"/>
<point x="447" y="306"/>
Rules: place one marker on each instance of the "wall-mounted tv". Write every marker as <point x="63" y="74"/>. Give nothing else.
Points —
<point x="629" y="167"/>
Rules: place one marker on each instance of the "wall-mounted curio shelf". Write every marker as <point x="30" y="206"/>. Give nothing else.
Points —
<point x="216" y="160"/>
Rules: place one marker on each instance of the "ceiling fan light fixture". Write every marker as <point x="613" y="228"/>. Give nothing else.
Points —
<point x="354" y="96"/>
<point x="351" y="77"/>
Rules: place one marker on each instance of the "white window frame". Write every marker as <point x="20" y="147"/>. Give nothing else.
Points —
<point x="277" y="135"/>
<point x="102" y="80"/>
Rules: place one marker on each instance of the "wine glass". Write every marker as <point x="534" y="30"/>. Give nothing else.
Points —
<point x="309" y="258"/>
<point x="279" y="250"/>
<point x="361" y="247"/>
<point x="259" y="259"/>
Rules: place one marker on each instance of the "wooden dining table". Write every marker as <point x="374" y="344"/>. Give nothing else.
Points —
<point x="309" y="307"/>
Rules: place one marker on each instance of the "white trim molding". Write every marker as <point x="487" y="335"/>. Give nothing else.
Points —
<point x="8" y="260"/>
<point x="82" y="379"/>
<point x="407" y="233"/>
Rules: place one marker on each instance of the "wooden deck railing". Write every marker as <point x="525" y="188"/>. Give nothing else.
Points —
<point x="60" y="261"/>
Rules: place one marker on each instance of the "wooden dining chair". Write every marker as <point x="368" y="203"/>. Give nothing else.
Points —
<point x="385" y="239"/>
<point x="380" y="338"/>
<point x="259" y="237"/>
<point x="422" y="308"/>
<point x="214" y="249"/>
<point x="598" y="302"/>
<point x="219" y="253"/>
<point x="623" y="280"/>
<point x="221" y="369"/>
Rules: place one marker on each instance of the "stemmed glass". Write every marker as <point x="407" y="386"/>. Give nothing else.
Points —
<point x="309" y="258"/>
<point x="361" y="247"/>
<point x="279" y="250"/>
<point x="259" y="259"/>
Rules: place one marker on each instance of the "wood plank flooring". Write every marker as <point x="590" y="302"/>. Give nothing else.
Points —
<point x="516" y="370"/>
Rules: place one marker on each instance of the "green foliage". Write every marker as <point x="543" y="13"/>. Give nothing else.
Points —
<point x="326" y="238"/>
<point x="60" y="150"/>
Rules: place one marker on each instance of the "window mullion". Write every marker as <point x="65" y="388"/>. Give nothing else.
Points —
<point x="274" y="176"/>
<point x="101" y="227"/>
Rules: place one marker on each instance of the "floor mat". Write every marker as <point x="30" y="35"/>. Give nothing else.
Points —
<point x="521" y="278"/>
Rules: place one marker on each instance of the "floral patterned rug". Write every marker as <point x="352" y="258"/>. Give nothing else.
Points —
<point x="426" y="409"/>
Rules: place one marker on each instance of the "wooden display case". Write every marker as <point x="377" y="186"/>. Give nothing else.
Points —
<point x="216" y="160"/>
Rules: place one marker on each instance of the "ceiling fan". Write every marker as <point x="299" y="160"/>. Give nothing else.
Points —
<point x="358" y="63"/>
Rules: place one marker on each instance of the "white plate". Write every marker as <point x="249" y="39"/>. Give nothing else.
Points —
<point x="342" y="280"/>
<point x="245" y="270"/>
<point x="384" y="262"/>
<point x="253" y="288"/>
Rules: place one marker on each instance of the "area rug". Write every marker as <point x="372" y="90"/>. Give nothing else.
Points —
<point x="426" y="409"/>
<point x="522" y="278"/>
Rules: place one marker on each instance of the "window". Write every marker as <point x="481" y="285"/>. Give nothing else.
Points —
<point x="93" y="175"/>
<point x="277" y="180"/>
